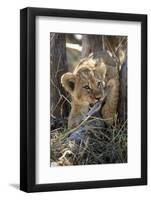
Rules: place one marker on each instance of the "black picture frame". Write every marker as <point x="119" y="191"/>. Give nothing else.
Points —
<point x="28" y="98"/>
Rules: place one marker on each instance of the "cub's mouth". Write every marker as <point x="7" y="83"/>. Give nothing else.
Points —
<point x="101" y="100"/>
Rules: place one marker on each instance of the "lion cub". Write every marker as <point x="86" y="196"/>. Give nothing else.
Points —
<point x="88" y="84"/>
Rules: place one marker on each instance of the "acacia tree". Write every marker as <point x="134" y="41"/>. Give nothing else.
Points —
<point x="58" y="66"/>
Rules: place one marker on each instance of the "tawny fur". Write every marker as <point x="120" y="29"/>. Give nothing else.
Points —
<point x="87" y="84"/>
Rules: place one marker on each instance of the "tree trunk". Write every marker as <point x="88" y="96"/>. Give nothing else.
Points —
<point x="58" y="66"/>
<point x="122" y="106"/>
<point x="91" y="44"/>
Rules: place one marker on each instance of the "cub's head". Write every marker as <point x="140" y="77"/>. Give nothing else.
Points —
<point x="86" y="83"/>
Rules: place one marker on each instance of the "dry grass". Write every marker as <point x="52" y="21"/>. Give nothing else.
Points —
<point x="95" y="144"/>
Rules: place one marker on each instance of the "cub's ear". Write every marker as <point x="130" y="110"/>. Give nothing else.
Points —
<point x="68" y="81"/>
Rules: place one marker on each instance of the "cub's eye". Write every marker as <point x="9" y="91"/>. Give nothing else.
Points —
<point x="99" y="83"/>
<point x="86" y="87"/>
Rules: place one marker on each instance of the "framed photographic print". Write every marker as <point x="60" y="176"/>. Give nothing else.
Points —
<point x="83" y="99"/>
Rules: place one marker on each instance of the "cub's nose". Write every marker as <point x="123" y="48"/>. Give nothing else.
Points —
<point x="98" y="98"/>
